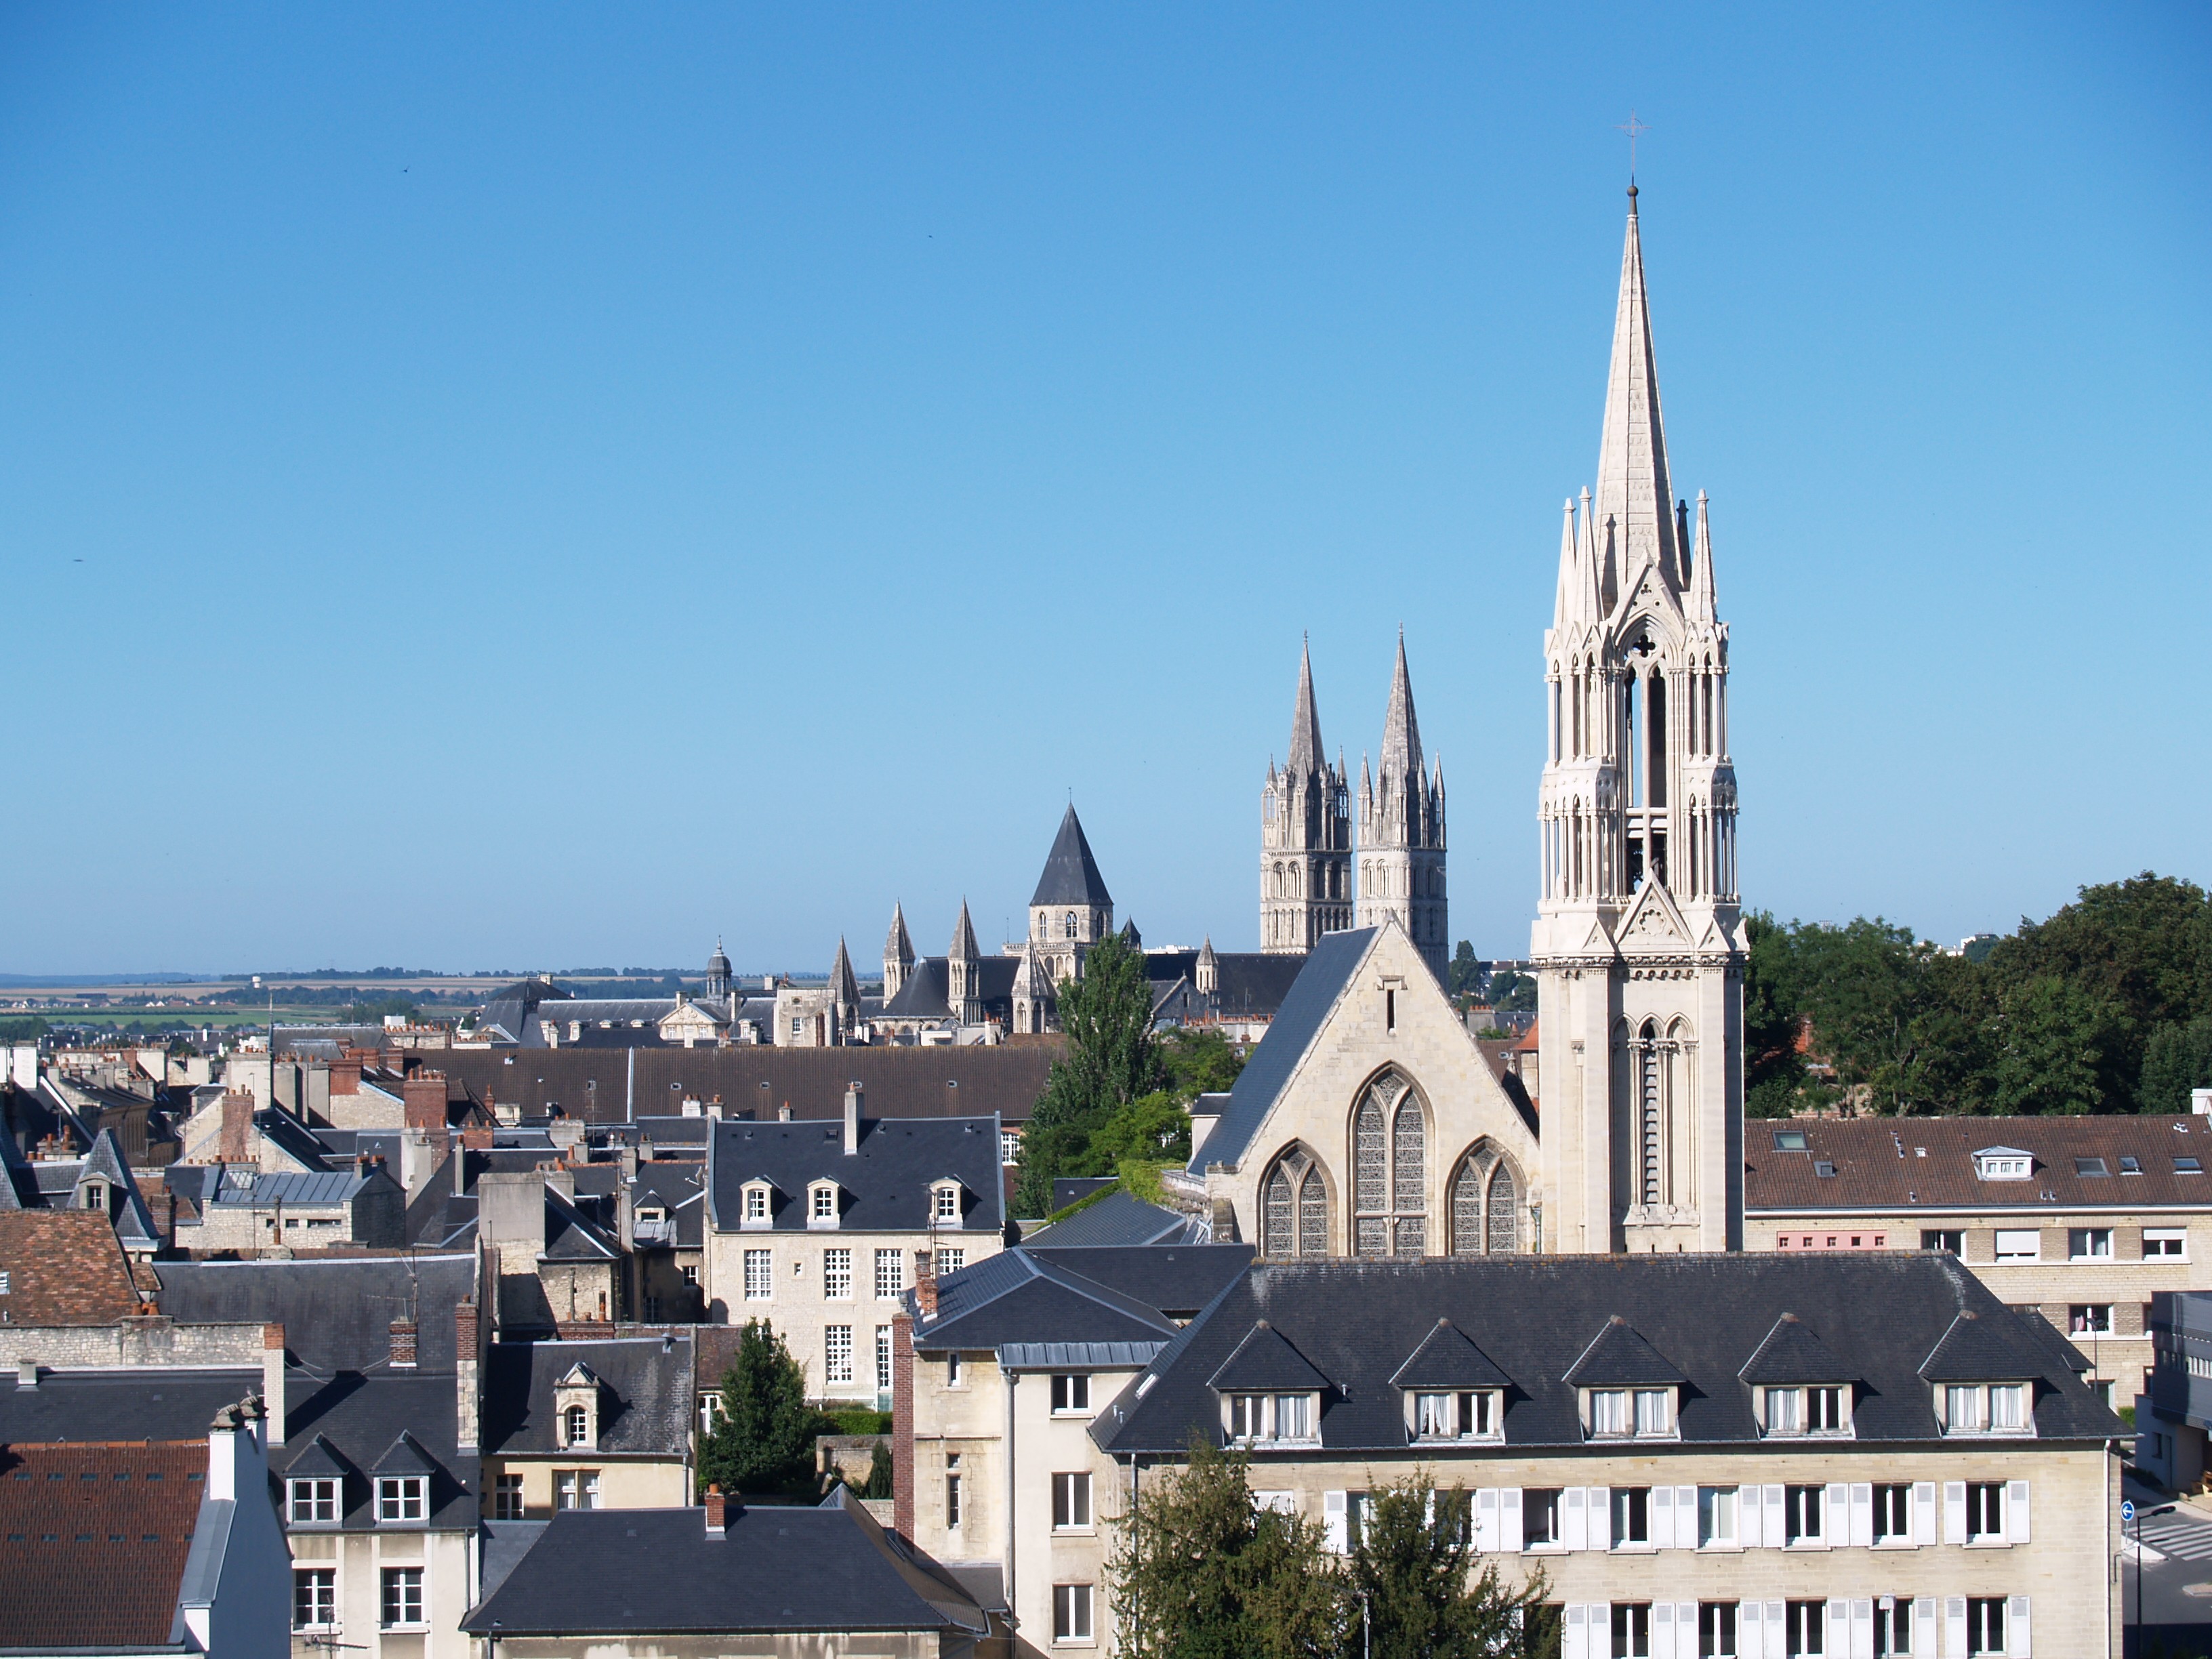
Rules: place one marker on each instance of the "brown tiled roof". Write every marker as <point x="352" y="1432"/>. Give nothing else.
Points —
<point x="938" y="1081"/>
<point x="63" y="1267"/>
<point x="93" y="1539"/>
<point x="1901" y="1163"/>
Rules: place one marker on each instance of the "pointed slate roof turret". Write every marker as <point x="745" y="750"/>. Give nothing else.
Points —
<point x="1131" y="937"/>
<point x="1618" y="1358"/>
<point x="964" y="939"/>
<point x="1633" y="493"/>
<point x="844" y="989"/>
<point x="134" y="1222"/>
<point x="1306" y="752"/>
<point x="1791" y="1353"/>
<point x="898" y="944"/>
<point x="1265" y="1361"/>
<point x="1448" y="1359"/>
<point x="1070" y="874"/>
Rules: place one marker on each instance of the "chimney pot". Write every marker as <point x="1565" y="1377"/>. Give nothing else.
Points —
<point x="925" y="1283"/>
<point x="718" y="1510"/>
<point x="26" y="1373"/>
<point x="403" y="1343"/>
<point x="851" y="1120"/>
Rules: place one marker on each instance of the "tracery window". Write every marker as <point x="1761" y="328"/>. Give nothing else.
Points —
<point x="1389" y="1167"/>
<point x="1294" y="1208"/>
<point x="1485" y="1196"/>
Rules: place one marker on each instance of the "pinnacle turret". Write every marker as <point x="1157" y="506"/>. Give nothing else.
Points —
<point x="1306" y="752"/>
<point x="1635" y="500"/>
<point x="964" y="948"/>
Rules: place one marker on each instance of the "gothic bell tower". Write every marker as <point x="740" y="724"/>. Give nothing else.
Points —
<point x="1305" y="837"/>
<point x="1638" y="944"/>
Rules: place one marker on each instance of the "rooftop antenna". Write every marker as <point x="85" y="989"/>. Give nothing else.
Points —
<point x="1635" y="130"/>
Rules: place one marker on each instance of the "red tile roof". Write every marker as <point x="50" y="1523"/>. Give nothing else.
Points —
<point x="1906" y="1163"/>
<point x="93" y="1539"/>
<point x="63" y="1267"/>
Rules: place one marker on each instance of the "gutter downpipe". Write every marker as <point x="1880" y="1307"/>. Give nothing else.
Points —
<point x="1014" y="1615"/>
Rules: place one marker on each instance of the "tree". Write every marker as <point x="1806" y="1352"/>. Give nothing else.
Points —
<point x="1200" y="1060"/>
<point x="1460" y="977"/>
<point x="1413" y="1577"/>
<point x="880" y="1471"/>
<point x="1154" y="1127"/>
<point x="1513" y="994"/>
<point x="1200" y="1571"/>
<point x="2176" y="1059"/>
<point x="764" y="1441"/>
<point x="2055" y="1047"/>
<point x="1112" y="1059"/>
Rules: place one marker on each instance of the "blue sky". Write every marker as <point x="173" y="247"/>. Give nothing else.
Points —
<point x="534" y="487"/>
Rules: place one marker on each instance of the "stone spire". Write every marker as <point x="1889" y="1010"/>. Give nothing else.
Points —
<point x="1306" y="752"/>
<point x="899" y="953"/>
<point x="963" y="972"/>
<point x="1704" y="603"/>
<point x="844" y="994"/>
<point x="1305" y="836"/>
<point x="1207" y="980"/>
<point x="1400" y="764"/>
<point x="1634" y="498"/>
<point x="1034" y="998"/>
<point x="1401" y="831"/>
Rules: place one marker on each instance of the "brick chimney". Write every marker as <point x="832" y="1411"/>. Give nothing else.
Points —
<point x="234" y="1136"/>
<point x="345" y="1074"/>
<point x="718" y="1512"/>
<point x="425" y="1095"/>
<point x="402" y="1344"/>
<point x="925" y="1283"/>
<point x="468" y="1354"/>
<point x="272" y="1380"/>
<point x="902" y="1424"/>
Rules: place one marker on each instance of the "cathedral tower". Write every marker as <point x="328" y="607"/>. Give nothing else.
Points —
<point x="1305" y="837"/>
<point x="1071" y="909"/>
<point x="963" y="973"/>
<point x="1401" y="832"/>
<point x="1639" y="963"/>
<point x="899" y="953"/>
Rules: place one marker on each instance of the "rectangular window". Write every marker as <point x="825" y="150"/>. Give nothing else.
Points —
<point x="1608" y="1411"/>
<point x="1071" y="1613"/>
<point x="314" y="1598"/>
<point x="1292" y="1420"/>
<point x="1785" y="1411"/>
<point x="759" y="1275"/>
<point x="825" y="1205"/>
<point x="883" y="1359"/>
<point x="837" y="1275"/>
<point x="1070" y="1501"/>
<point x="1824" y="1410"/>
<point x="1009" y="1148"/>
<point x="2090" y="1318"/>
<point x="1434" y="1416"/>
<point x="1717" y="1522"/>
<point x="2188" y="1166"/>
<point x="401" y="1602"/>
<point x="1986" y="1511"/>
<point x="2007" y="1408"/>
<point x="2169" y="1242"/>
<point x="1655" y="1412"/>
<point x="2090" y="1166"/>
<point x="1540" y="1517"/>
<point x="1985" y="1624"/>
<point x="1892" y="1626"/>
<point x="952" y="1371"/>
<point x="1073" y="1394"/>
<point x="756" y="1203"/>
<point x="947" y="1205"/>
<point x="1477" y="1414"/>
<point x="1716" y="1630"/>
<point x="1631" y="1516"/>
<point x="951" y="1262"/>
<point x="575" y="1489"/>
<point x="1949" y="1240"/>
<point x="837" y="1353"/>
<point x="2089" y="1244"/>
<point x="1247" y="1415"/>
<point x="507" y="1497"/>
<point x="1805" y="1630"/>
<point x="952" y="1497"/>
<point x="890" y="1274"/>
<point x="2018" y="1244"/>
<point x="2131" y="1164"/>
<point x="1892" y="1514"/>
<point x="315" y="1502"/>
<point x="401" y="1497"/>
<point x="1631" y="1630"/>
<point x="1801" y="1515"/>
<point x="1962" y="1408"/>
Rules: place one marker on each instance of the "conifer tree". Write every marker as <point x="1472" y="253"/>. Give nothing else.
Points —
<point x="764" y="1442"/>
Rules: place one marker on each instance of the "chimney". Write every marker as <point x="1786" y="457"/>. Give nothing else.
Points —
<point x="402" y="1344"/>
<point x="925" y="1283"/>
<point x="232" y="1137"/>
<point x="714" y="1108"/>
<point x="852" y="1119"/>
<point x="718" y="1512"/>
<point x="425" y="1097"/>
<point x="345" y="1074"/>
<point x="783" y="1113"/>
<point x="272" y="1380"/>
<point x="467" y="1354"/>
<point x="26" y="1373"/>
<point x="902" y="1423"/>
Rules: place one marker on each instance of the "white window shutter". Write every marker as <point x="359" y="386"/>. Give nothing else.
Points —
<point x="1509" y="1521"/>
<point x="1747" y="1516"/>
<point x="1776" y="1640"/>
<point x="1862" y="1534"/>
<point x="1861" y="1628"/>
<point x="1685" y="1519"/>
<point x="1686" y="1630"/>
<point x="1924" y="1519"/>
<point x="1663" y="1629"/>
<point x="1750" y="1630"/>
<point x="1955" y="1625"/>
<point x="1837" y="1616"/>
<point x="1775" y="1535"/>
<point x="1332" y="1520"/>
<point x="1954" y="1514"/>
<point x="1836" y="1515"/>
<point x="1601" y="1631"/>
<point x="2016" y="1530"/>
<point x="2016" y="1642"/>
<point x="1924" y="1626"/>
<point x="1574" y="1637"/>
<point x="1600" y="1522"/>
<point x="1574" y="1522"/>
<point x="1662" y="1526"/>
<point x="1486" y="1520"/>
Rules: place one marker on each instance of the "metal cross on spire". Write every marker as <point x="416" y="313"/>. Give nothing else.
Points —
<point x="1635" y="130"/>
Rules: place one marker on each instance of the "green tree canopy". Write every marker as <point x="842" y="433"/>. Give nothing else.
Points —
<point x="1113" y="1058"/>
<point x="1414" y="1581"/>
<point x="764" y="1441"/>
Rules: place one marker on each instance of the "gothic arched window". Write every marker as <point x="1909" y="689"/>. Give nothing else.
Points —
<point x="1389" y="1141"/>
<point x="1067" y="926"/>
<point x="1294" y="1208"/>
<point x="1485" y="1196"/>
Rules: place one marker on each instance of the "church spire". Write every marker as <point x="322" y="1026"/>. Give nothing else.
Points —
<point x="1402" y="732"/>
<point x="1306" y="752"/>
<point x="1634" y="499"/>
<point x="1704" y="603"/>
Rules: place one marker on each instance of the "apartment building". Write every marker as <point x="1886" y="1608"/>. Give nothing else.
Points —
<point x="815" y="1228"/>
<point x="2083" y="1219"/>
<point x="1757" y="1455"/>
<point x="603" y="1424"/>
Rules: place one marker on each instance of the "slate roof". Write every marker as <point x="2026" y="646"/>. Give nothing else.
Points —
<point x="1446" y="1359"/>
<point x="1906" y="1163"/>
<point x="295" y="1189"/>
<point x="680" y="1189"/>
<point x="134" y="1222"/>
<point x="1977" y="1350"/>
<point x="923" y="996"/>
<point x="1067" y="1189"/>
<point x="1121" y="1219"/>
<point x="337" y="1311"/>
<point x="1070" y="874"/>
<point x="646" y="1395"/>
<point x="1323" y="973"/>
<point x="1177" y="1279"/>
<point x="637" y="1572"/>
<point x="94" y="1542"/>
<point x="1619" y="1358"/>
<point x="1266" y="1359"/>
<point x="1029" y="1296"/>
<point x="900" y="1080"/>
<point x="1250" y="984"/>
<point x="571" y="1236"/>
<point x="1883" y="1315"/>
<point x="153" y="1403"/>
<point x="63" y="1267"/>
<point x="1793" y="1353"/>
<point x="885" y="1186"/>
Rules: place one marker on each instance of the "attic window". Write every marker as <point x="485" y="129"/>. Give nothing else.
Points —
<point x="822" y="1205"/>
<point x="945" y="1202"/>
<point x="2131" y="1164"/>
<point x="1465" y="1414"/>
<point x="2003" y="1163"/>
<point x="1817" y="1409"/>
<point x="2188" y="1166"/>
<point x="2090" y="1166"/>
<point x="1630" y="1413"/>
<point x="1824" y="1170"/>
<point x="1789" y="1141"/>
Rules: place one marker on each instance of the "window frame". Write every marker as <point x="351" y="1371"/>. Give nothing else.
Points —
<point x="506" y="1500"/>
<point x="1710" y="1501"/>
<point x="1074" y="1615"/>
<point x="1987" y="1501"/>
<point x="1473" y="1415"/>
<point x="832" y="1374"/>
<point x="581" y="1486"/>
<point x="764" y="1288"/>
<point x="1888" y="1495"/>
<point x="1982" y="1397"/>
<point x="322" y="1584"/>
<point x="1070" y="1501"/>
<point x="409" y="1582"/>
<point x="837" y="1274"/>
<point x="1802" y="1504"/>
<point x="394" y="1492"/>
<point x="2016" y="1257"/>
<point x="1071" y="1393"/>
<point x="822" y="1205"/>
<point x="315" y="1497"/>
<point x="2081" y="1244"/>
<point x="2177" y="1236"/>
<point x="756" y="1208"/>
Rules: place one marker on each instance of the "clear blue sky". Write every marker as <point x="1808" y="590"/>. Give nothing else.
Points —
<point x="537" y="487"/>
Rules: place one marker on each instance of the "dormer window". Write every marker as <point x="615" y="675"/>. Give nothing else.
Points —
<point x="402" y="1498"/>
<point x="1985" y="1409"/>
<point x="822" y="1204"/>
<point x="2003" y="1163"/>
<point x="1818" y="1408"/>
<point x="577" y="1402"/>
<point x="1629" y="1413"/>
<point x="758" y="1206"/>
<point x="1270" y="1419"/>
<point x="576" y="1426"/>
<point x="314" y="1503"/>
<point x="1458" y="1414"/>
<point x="944" y="1204"/>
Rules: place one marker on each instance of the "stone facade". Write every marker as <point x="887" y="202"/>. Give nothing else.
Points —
<point x="1305" y="837"/>
<point x="1402" y="832"/>
<point x="1639" y="961"/>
